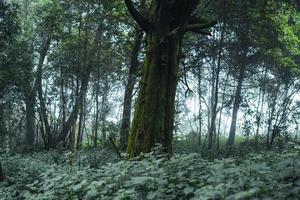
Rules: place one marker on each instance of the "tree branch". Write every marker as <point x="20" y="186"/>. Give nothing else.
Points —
<point x="167" y="4"/>
<point x="196" y="20"/>
<point x="203" y="32"/>
<point x="200" y="27"/>
<point x="137" y="16"/>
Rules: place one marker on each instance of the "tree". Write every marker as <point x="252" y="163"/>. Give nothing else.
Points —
<point x="165" y="25"/>
<point x="132" y="77"/>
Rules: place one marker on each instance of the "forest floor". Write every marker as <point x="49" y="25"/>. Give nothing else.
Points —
<point x="100" y="174"/>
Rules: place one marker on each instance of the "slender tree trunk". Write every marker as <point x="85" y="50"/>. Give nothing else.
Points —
<point x="132" y="76"/>
<point x="272" y="105"/>
<point x="83" y="89"/>
<point x="30" y="117"/>
<point x="104" y="108"/>
<point x="83" y="129"/>
<point x="43" y="108"/>
<point x="221" y="110"/>
<point x="261" y="105"/>
<point x="236" y="105"/>
<point x="2" y="125"/>
<point x="63" y="101"/>
<point x="78" y="101"/>
<point x="2" y="177"/>
<point x="80" y="124"/>
<point x="73" y="135"/>
<point x="216" y="91"/>
<point x="211" y="124"/>
<point x="96" y="123"/>
<point x="200" y="106"/>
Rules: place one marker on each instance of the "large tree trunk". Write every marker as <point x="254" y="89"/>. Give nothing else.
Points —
<point x="154" y="112"/>
<point x="132" y="76"/>
<point x="153" y="117"/>
<point x="236" y="105"/>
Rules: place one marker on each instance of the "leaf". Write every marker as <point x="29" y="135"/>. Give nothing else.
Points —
<point x="242" y="195"/>
<point x="140" y="180"/>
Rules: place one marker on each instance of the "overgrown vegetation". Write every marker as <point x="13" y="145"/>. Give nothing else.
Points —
<point x="98" y="174"/>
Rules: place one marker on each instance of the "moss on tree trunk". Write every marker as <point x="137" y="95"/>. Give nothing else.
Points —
<point x="153" y="117"/>
<point x="165" y="26"/>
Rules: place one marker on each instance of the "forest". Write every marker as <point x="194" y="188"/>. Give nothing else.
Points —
<point x="149" y="99"/>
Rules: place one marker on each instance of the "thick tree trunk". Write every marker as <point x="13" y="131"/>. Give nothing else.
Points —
<point x="154" y="112"/>
<point x="236" y="105"/>
<point x="132" y="76"/>
<point x="153" y="117"/>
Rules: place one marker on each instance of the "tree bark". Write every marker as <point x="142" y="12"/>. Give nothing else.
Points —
<point x="199" y="77"/>
<point x="80" y="123"/>
<point x="30" y="116"/>
<point x="221" y="110"/>
<point x="132" y="76"/>
<point x="236" y="105"/>
<point x="2" y="124"/>
<point x="96" y="125"/>
<point x="154" y="112"/>
<point x="2" y="177"/>
<point x="43" y="108"/>
<point x="78" y="101"/>
<point x="83" y="89"/>
<point x="215" y="96"/>
<point x="259" y="113"/>
<point x="104" y="108"/>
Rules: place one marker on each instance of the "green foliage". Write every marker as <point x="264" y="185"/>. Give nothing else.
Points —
<point x="9" y="29"/>
<point x="266" y="175"/>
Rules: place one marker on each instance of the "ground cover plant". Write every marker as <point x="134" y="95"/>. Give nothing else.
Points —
<point x="267" y="175"/>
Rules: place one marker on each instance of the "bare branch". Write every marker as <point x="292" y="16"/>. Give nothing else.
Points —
<point x="137" y="16"/>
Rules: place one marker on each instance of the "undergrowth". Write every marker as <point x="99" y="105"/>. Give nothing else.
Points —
<point x="99" y="174"/>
